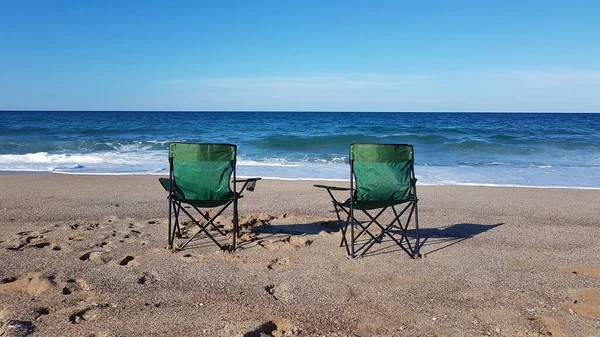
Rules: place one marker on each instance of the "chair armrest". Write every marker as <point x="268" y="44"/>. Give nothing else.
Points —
<point x="247" y="179"/>
<point x="249" y="183"/>
<point x="166" y="183"/>
<point x="333" y="188"/>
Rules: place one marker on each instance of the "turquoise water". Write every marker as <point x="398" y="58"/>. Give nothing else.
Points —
<point x="525" y="149"/>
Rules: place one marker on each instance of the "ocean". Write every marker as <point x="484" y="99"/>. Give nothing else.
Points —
<point x="507" y="149"/>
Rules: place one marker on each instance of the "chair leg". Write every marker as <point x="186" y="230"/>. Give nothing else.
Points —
<point x="202" y="229"/>
<point x="403" y="242"/>
<point x="417" y="244"/>
<point x="352" y="239"/>
<point x="170" y="238"/>
<point x="343" y="225"/>
<point x="177" y="221"/>
<point x="236" y="230"/>
<point x="175" y="229"/>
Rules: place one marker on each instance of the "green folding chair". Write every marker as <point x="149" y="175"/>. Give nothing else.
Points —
<point x="202" y="176"/>
<point x="382" y="177"/>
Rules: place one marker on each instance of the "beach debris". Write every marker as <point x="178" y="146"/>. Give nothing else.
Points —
<point x="270" y="288"/>
<point x="18" y="328"/>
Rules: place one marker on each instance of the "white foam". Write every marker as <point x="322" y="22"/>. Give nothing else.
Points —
<point x="44" y="157"/>
<point x="257" y="163"/>
<point x="156" y="163"/>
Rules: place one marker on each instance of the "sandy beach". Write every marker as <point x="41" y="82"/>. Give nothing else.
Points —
<point x="86" y="256"/>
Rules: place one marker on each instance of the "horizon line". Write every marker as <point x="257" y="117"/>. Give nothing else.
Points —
<point x="306" y="111"/>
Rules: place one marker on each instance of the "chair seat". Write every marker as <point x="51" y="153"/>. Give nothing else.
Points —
<point x="373" y="204"/>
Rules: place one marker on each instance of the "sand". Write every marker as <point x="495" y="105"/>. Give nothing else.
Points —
<point x="86" y="256"/>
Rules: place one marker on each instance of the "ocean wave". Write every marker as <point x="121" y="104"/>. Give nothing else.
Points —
<point x="80" y="146"/>
<point x="45" y="157"/>
<point x="489" y="148"/>
<point x="494" y="163"/>
<point x="411" y="138"/>
<point x="337" y="143"/>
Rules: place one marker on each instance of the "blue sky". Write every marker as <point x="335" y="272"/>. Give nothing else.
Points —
<point x="300" y="55"/>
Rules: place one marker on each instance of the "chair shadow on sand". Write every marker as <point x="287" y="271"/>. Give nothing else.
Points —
<point x="264" y="230"/>
<point x="300" y="229"/>
<point x="431" y="240"/>
<point x="439" y="238"/>
<point x="434" y="238"/>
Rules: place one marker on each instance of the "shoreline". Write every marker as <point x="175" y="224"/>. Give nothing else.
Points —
<point x="88" y="253"/>
<point x="10" y="173"/>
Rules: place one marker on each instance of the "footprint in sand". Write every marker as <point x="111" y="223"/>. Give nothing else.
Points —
<point x="41" y="244"/>
<point x="40" y="311"/>
<point x="585" y="302"/>
<point x="31" y="284"/>
<point x="73" y="286"/>
<point x="147" y="278"/>
<point x="85" y="225"/>
<point x="298" y="241"/>
<point x="89" y="313"/>
<point x="75" y="238"/>
<point x="275" y="263"/>
<point x="29" y="239"/>
<point x="127" y="260"/>
<point x="279" y="327"/>
<point x="279" y="292"/>
<point x="100" y="245"/>
<point x="93" y="255"/>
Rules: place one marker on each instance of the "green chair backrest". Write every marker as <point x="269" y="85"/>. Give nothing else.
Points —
<point x="202" y="171"/>
<point x="383" y="172"/>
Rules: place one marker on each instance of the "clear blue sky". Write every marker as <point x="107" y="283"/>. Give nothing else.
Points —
<point x="300" y="55"/>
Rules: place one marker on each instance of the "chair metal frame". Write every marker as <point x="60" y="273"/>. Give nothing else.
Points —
<point x="176" y="206"/>
<point x="408" y="208"/>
